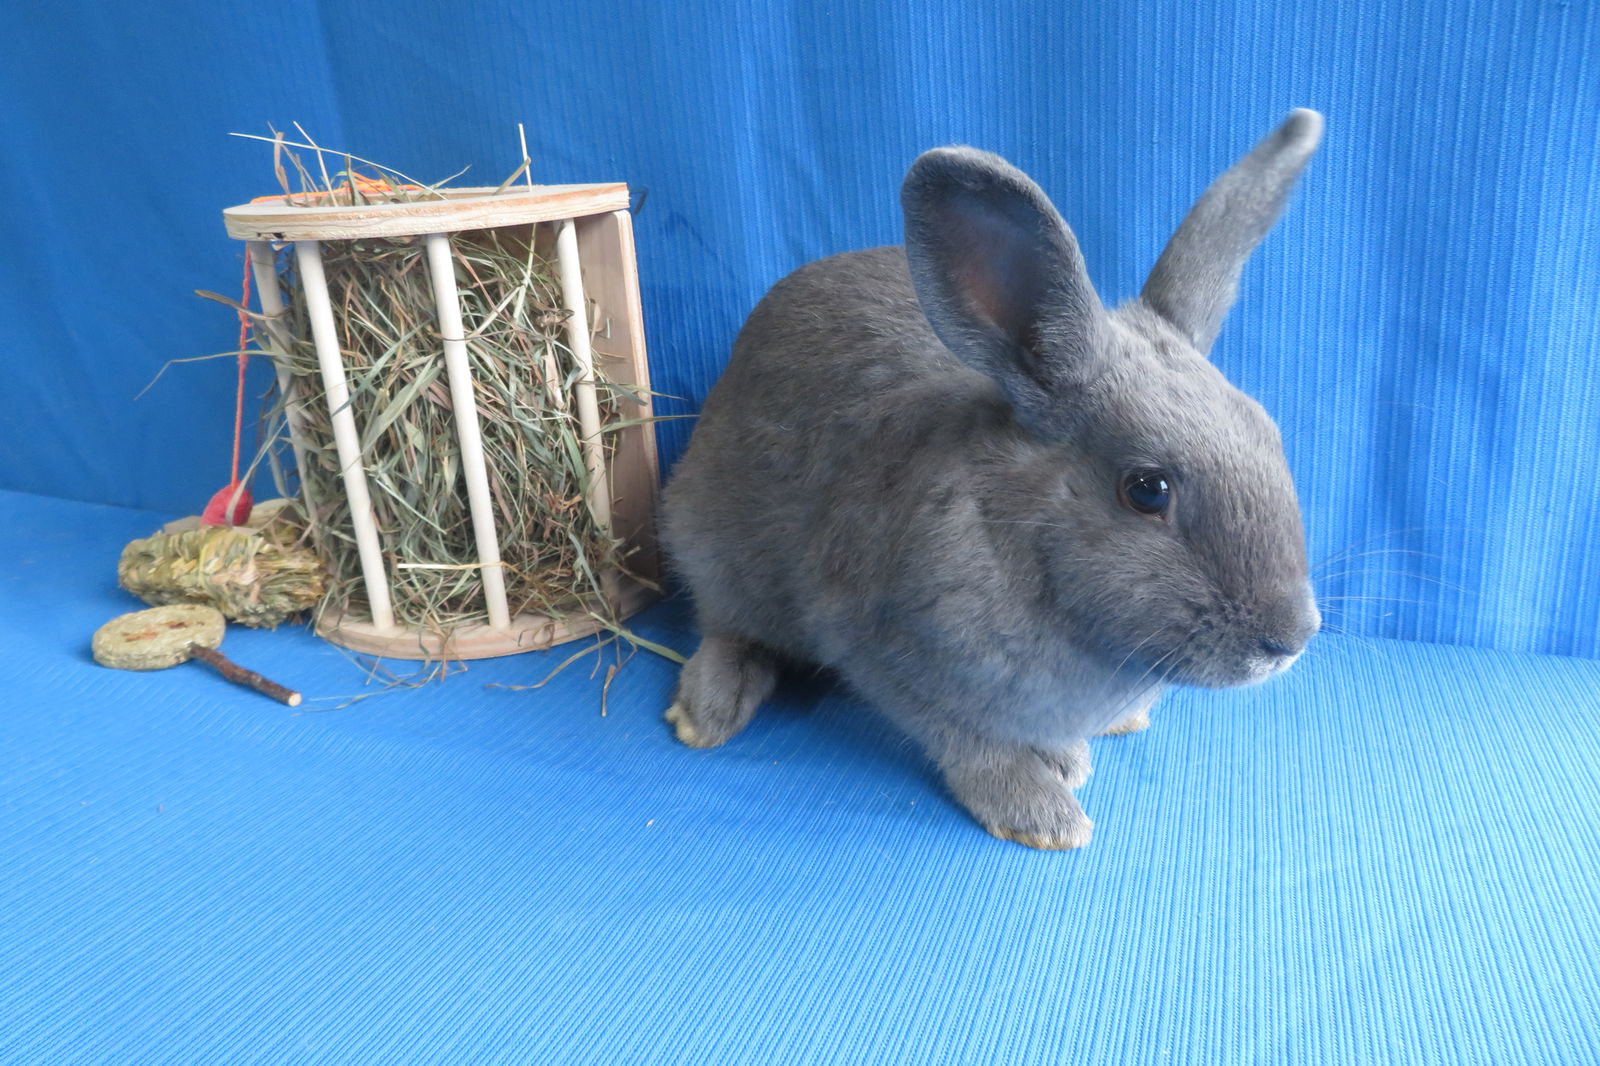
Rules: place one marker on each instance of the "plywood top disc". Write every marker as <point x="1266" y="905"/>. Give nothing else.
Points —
<point x="157" y="638"/>
<point x="449" y="211"/>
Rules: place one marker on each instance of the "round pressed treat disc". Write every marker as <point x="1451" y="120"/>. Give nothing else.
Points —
<point x="159" y="637"/>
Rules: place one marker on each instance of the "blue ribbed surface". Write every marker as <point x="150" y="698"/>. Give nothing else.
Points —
<point x="1424" y="325"/>
<point x="1387" y="855"/>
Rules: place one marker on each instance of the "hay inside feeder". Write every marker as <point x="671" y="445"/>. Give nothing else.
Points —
<point x="559" y="561"/>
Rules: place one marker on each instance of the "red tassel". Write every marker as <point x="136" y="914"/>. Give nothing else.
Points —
<point x="217" y="513"/>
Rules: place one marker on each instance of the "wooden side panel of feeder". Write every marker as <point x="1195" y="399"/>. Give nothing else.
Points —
<point x="611" y="277"/>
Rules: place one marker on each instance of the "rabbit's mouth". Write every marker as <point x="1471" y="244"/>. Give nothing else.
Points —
<point x="1241" y="654"/>
<point x="1273" y="661"/>
<point x="1232" y="672"/>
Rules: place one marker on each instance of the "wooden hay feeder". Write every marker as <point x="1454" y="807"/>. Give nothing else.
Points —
<point x="584" y="229"/>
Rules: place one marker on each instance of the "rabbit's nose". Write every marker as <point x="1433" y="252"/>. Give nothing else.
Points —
<point x="1290" y="627"/>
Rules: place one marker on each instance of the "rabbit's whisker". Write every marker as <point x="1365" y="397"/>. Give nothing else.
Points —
<point x="1403" y="575"/>
<point x="1152" y="635"/>
<point x="1392" y="533"/>
<point x="1170" y="656"/>
<point x="1347" y="556"/>
<point x="1368" y="599"/>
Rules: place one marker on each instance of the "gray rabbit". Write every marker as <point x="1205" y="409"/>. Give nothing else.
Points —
<point x="1005" y="515"/>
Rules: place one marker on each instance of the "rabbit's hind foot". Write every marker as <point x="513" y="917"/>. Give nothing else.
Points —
<point x="719" y="690"/>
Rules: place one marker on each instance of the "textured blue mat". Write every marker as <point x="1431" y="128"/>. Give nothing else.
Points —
<point x="1386" y="856"/>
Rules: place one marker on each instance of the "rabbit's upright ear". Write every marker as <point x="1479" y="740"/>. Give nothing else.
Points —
<point x="1195" y="281"/>
<point x="999" y="275"/>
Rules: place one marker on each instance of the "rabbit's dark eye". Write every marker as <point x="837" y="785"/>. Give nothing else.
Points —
<point x="1147" y="491"/>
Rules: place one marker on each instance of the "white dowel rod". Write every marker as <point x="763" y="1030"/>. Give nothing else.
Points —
<point x="314" y="283"/>
<point x="441" y="271"/>
<point x="264" y="269"/>
<point x="594" y="455"/>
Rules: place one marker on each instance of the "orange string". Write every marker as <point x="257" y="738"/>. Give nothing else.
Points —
<point x="244" y="364"/>
<point x="363" y="184"/>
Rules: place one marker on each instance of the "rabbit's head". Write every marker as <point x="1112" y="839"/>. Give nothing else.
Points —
<point x="1166" y="521"/>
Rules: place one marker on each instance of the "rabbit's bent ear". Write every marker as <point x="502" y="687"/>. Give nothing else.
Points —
<point x="999" y="275"/>
<point x="1197" y="277"/>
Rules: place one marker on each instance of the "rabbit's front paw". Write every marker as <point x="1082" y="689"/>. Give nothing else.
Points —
<point x="1049" y="823"/>
<point x="1064" y="839"/>
<point x="1137" y="722"/>
<point x="1017" y="794"/>
<point x="1072" y="763"/>
<point x="1134" y="720"/>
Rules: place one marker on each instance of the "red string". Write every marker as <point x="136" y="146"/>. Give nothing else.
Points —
<point x="244" y="363"/>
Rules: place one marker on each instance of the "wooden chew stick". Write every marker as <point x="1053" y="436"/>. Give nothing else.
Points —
<point x="240" y="676"/>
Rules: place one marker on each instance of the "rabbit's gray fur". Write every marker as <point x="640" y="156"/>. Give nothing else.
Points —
<point x="909" y="473"/>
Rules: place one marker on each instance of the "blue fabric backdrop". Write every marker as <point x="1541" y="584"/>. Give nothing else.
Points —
<point x="1424" y="324"/>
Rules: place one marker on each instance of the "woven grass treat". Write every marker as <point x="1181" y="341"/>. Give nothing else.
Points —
<point x="256" y="577"/>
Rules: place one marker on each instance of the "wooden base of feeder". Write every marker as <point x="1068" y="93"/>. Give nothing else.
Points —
<point x="527" y="632"/>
